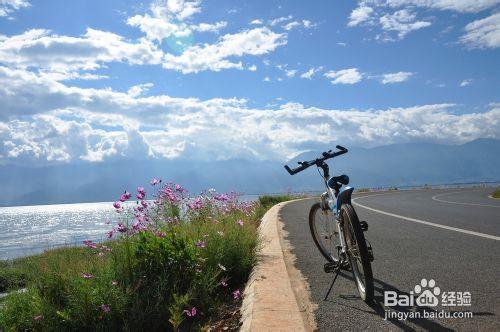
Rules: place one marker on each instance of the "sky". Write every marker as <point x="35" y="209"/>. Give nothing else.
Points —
<point x="86" y="81"/>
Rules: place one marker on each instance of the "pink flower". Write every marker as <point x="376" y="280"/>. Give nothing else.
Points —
<point x="196" y="204"/>
<point x="154" y="181"/>
<point x="126" y="195"/>
<point x="200" y="244"/>
<point x="141" y="193"/>
<point x="117" y="205"/>
<point x="236" y="294"/>
<point x="136" y="225"/>
<point x="105" y="308"/>
<point x="121" y="228"/>
<point x="144" y="204"/>
<point x="222" y="197"/>
<point x="90" y="244"/>
<point x="240" y="222"/>
<point x="160" y="234"/>
<point x="87" y="276"/>
<point x="114" y="282"/>
<point x="110" y="234"/>
<point x="190" y="313"/>
<point x="223" y="284"/>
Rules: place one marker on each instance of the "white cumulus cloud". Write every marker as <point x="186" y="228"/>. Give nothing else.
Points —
<point x="64" y="54"/>
<point x="359" y="15"/>
<point x="400" y="16"/>
<point x="465" y="82"/>
<point x="217" y="56"/>
<point x="462" y="6"/>
<point x="171" y="18"/>
<point x="403" y="22"/>
<point x="9" y="6"/>
<point x="311" y="72"/>
<point x="483" y="33"/>
<point x="46" y="121"/>
<point x="344" y="76"/>
<point x="398" y="77"/>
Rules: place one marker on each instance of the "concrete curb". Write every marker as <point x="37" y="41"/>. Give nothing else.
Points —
<point x="275" y="288"/>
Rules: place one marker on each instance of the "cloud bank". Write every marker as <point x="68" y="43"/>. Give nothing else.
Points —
<point x="46" y="121"/>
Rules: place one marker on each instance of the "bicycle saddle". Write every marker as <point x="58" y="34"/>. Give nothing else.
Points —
<point x="342" y="179"/>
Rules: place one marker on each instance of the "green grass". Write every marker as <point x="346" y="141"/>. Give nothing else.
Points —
<point x="147" y="280"/>
<point x="496" y="194"/>
<point x="12" y="275"/>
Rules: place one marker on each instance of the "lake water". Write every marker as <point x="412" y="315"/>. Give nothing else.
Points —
<point x="28" y="230"/>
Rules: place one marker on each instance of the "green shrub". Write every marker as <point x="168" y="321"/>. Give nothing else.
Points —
<point x="175" y="263"/>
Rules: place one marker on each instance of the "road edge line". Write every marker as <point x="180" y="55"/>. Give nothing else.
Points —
<point x="269" y="300"/>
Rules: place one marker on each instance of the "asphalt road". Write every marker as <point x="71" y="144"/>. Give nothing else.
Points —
<point x="451" y="236"/>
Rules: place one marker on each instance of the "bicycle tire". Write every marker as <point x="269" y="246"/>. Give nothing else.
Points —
<point x="350" y="221"/>
<point x="316" y="208"/>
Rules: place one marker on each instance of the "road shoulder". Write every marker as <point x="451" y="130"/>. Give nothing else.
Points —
<point x="276" y="296"/>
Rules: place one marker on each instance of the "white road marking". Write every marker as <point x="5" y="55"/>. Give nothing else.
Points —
<point x="460" y="230"/>
<point x="435" y="198"/>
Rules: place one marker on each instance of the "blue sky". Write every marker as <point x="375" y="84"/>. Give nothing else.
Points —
<point x="92" y="81"/>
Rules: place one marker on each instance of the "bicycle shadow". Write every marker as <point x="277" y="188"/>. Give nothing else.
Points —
<point x="380" y="310"/>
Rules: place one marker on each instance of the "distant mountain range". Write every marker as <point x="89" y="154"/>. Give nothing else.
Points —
<point x="385" y="166"/>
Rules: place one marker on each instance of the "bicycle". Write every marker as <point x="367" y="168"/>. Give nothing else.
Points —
<point x="336" y="229"/>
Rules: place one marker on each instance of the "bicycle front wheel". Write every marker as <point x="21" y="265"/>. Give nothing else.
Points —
<point x="324" y="232"/>
<point x="357" y="252"/>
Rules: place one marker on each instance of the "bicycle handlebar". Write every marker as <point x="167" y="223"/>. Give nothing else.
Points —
<point x="326" y="155"/>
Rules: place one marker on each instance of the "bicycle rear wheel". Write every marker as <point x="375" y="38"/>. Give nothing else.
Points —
<point x="324" y="232"/>
<point x="357" y="252"/>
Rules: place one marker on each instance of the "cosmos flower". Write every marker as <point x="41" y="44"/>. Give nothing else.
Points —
<point x="90" y="244"/>
<point x="236" y="294"/>
<point x="121" y="228"/>
<point x="191" y="313"/>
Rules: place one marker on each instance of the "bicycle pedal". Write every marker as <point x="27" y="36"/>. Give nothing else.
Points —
<point x="330" y="267"/>
<point x="364" y="225"/>
<point x="345" y="266"/>
<point x="370" y="251"/>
